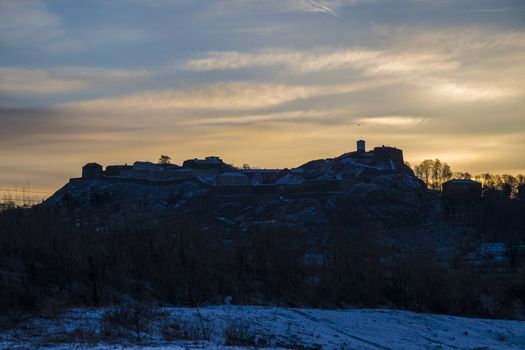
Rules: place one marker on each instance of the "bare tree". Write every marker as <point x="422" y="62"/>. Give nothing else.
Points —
<point x="433" y="173"/>
<point x="424" y="171"/>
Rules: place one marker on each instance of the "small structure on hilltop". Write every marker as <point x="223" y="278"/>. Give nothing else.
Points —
<point x="91" y="170"/>
<point x="461" y="198"/>
<point x="361" y="146"/>
<point x="392" y="155"/>
<point x="211" y="162"/>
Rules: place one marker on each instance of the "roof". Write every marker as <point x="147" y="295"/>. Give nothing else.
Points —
<point x="120" y="166"/>
<point x="462" y="181"/>
<point x="231" y="174"/>
<point x="262" y="171"/>
<point x="92" y="165"/>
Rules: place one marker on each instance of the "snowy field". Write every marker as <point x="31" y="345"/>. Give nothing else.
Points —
<point x="247" y="327"/>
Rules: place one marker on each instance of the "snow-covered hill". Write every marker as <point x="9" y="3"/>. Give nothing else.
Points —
<point x="244" y="327"/>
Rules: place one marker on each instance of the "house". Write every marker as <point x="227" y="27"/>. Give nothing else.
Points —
<point x="488" y="254"/>
<point x="261" y="176"/>
<point x="492" y="249"/>
<point x="461" y="199"/>
<point x="462" y="189"/>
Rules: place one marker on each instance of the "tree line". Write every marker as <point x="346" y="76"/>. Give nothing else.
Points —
<point x="435" y="172"/>
<point x="45" y="260"/>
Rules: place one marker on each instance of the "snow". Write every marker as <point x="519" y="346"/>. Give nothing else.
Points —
<point x="282" y="327"/>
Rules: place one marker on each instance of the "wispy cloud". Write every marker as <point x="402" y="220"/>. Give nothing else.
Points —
<point x="26" y="22"/>
<point x="224" y="96"/>
<point x="35" y="81"/>
<point x="472" y="92"/>
<point x="324" y="59"/>
<point x="328" y="7"/>
<point x="493" y="10"/>
<point x="62" y="80"/>
<point x="393" y="121"/>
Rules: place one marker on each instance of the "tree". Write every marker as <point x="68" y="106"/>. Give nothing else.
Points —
<point x="424" y="171"/>
<point x="488" y="180"/>
<point x="521" y="179"/>
<point x="433" y="173"/>
<point x="509" y="185"/>
<point x="164" y="159"/>
<point x="463" y="175"/>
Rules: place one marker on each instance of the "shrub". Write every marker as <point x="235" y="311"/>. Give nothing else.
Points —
<point x="240" y="334"/>
<point x="200" y="328"/>
<point x="135" y="319"/>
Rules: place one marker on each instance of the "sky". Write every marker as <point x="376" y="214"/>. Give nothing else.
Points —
<point x="271" y="83"/>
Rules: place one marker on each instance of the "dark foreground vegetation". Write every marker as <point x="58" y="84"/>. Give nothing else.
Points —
<point x="45" y="261"/>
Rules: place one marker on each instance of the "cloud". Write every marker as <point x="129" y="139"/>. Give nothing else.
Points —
<point x="472" y="92"/>
<point x="223" y="96"/>
<point x="329" y="7"/>
<point x="493" y="10"/>
<point x="35" y="81"/>
<point x="393" y="121"/>
<point x="321" y="6"/>
<point x="22" y="81"/>
<point x="27" y="22"/>
<point x="371" y="62"/>
<point x="262" y="118"/>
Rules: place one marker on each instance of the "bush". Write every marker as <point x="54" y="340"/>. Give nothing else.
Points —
<point x="200" y="328"/>
<point x="239" y="334"/>
<point x="135" y="319"/>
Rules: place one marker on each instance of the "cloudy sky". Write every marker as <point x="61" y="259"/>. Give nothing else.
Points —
<point x="272" y="83"/>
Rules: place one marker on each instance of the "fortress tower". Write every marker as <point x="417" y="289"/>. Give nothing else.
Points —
<point x="361" y="146"/>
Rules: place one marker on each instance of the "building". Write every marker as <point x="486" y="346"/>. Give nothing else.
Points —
<point x="261" y="176"/>
<point x="494" y="249"/>
<point x="118" y="170"/>
<point x="392" y="155"/>
<point x="232" y="179"/>
<point x="208" y="163"/>
<point x="462" y="189"/>
<point x="361" y="146"/>
<point x="91" y="170"/>
<point x="461" y="199"/>
<point x="488" y="254"/>
<point x="145" y="166"/>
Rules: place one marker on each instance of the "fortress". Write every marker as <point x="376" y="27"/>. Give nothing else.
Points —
<point x="212" y="171"/>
